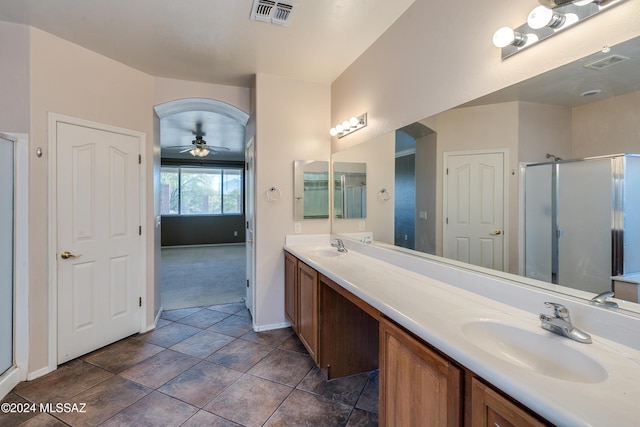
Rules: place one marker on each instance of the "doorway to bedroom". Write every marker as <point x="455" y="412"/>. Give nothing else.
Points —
<point x="202" y="204"/>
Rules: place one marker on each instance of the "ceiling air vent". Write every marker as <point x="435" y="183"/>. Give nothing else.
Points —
<point x="606" y="62"/>
<point x="274" y="12"/>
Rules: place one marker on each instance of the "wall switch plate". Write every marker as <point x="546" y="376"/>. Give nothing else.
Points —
<point x="235" y="233"/>
<point x="297" y="227"/>
<point x="422" y="214"/>
<point x="361" y="226"/>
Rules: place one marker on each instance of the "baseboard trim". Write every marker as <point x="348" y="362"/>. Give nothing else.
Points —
<point x="155" y="322"/>
<point x="9" y="380"/>
<point x="262" y="328"/>
<point x="39" y="373"/>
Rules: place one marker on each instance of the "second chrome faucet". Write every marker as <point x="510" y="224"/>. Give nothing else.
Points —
<point x="560" y="323"/>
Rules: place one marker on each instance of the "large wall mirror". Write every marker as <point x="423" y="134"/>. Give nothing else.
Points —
<point x="468" y="164"/>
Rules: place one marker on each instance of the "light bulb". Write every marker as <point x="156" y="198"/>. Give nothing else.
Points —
<point x="333" y="132"/>
<point x="542" y="16"/>
<point x="340" y="128"/>
<point x="505" y="36"/>
<point x="354" y="122"/>
<point x="346" y="124"/>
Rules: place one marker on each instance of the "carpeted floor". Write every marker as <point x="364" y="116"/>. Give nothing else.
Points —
<point x="200" y="276"/>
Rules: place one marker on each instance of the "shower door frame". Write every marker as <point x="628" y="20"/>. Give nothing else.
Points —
<point x="19" y="371"/>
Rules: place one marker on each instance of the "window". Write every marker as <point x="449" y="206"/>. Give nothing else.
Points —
<point x="201" y="191"/>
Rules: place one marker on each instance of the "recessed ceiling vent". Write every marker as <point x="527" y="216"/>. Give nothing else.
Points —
<point x="274" y="12"/>
<point x="607" y="62"/>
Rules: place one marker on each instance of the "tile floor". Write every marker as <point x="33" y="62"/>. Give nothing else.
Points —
<point x="199" y="367"/>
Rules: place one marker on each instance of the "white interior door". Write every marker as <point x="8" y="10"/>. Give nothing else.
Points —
<point x="99" y="268"/>
<point x="474" y="199"/>
<point x="250" y="222"/>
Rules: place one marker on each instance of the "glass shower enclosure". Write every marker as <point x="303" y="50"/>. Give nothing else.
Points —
<point x="582" y="221"/>
<point x="6" y="252"/>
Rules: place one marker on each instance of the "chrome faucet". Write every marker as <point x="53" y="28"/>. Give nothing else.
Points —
<point x="340" y="245"/>
<point x="602" y="300"/>
<point x="560" y="323"/>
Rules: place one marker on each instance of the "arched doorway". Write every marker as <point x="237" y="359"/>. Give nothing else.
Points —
<point x="203" y="145"/>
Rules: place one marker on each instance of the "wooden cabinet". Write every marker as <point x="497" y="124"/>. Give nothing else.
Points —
<point x="308" y="308"/>
<point x="491" y="409"/>
<point x="291" y="290"/>
<point x="348" y="332"/>
<point x="301" y="301"/>
<point x="418" y="387"/>
<point x="339" y="330"/>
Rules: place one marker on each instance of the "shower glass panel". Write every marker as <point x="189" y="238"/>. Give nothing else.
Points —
<point x="584" y="221"/>
<point x="6" y="253"/>
<point x="539" y="222"/>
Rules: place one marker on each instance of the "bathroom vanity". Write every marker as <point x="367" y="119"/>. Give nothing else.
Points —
<point x="446" y="355"/>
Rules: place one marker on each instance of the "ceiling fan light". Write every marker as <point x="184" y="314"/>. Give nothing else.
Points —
<point x="199" y="152"/>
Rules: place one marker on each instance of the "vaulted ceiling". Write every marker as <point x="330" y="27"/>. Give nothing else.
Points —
<point x="214" y="41"/>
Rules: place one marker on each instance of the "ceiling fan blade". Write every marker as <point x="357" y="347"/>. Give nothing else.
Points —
<point x="217" y="148"/>
<point x="185" y="150"/>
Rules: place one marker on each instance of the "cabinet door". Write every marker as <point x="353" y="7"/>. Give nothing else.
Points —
<point x="490" y="409"/>
<point x="417" y="386"/>
<point x="291" y="290"/>
<point x="308" y="308"/>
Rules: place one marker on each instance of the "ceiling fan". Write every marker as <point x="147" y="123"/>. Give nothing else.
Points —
<point x="199" y="147"/>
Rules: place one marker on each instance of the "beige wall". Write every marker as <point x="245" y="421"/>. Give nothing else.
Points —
<point x="439" y="54"/>
<point x="14" y="84"/>
<point x="607" y="127"/>
<point x="165" y="90"/>
<point x="292" y="123"/>
<point x="70" y="80"/>
<point x="379" y="155"/>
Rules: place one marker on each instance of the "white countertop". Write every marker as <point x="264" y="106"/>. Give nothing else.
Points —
<point x="435" y="311"/>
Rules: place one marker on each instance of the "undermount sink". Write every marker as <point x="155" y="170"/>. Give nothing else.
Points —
<point x="540" y="353"/>
<point x="326" y="252"/>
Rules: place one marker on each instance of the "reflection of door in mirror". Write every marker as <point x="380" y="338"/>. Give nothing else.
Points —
<point x="349" y="190"/>
<point x="474" y="202"/>
<point x="311" y="189"/>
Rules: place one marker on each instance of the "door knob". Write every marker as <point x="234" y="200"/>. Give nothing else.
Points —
<point x="67" y="255"/>
<point x="496" y="232"/>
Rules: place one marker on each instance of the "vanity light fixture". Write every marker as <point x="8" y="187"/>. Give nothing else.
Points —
<point x="348" y="126"/>
<point x="542" y="16"/>
<point x="546" y="20"/>
<point x="506" y="36"/>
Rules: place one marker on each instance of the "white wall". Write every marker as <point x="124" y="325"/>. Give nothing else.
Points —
<point x="292" y="123"/>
